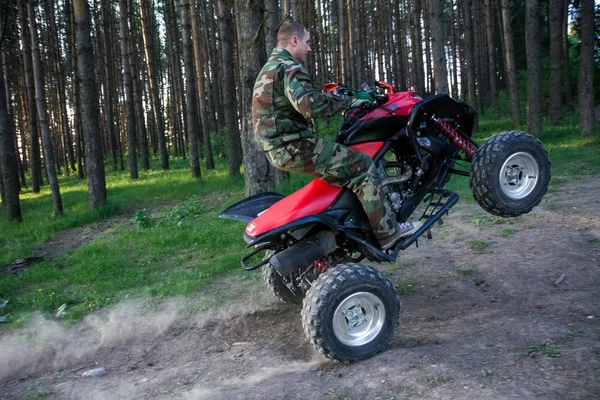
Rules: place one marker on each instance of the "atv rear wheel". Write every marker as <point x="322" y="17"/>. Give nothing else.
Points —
<point x="278" y="287"/>
<point x="351" y="311"/>
<point x="510" y="174"/>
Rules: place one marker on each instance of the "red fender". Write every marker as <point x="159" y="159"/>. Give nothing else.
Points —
<point x="312" y="199"/>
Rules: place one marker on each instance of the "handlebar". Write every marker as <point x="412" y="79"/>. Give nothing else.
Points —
<point x="373" y="91"/>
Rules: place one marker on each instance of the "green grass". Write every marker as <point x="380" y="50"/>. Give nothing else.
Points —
<point x="152" y="187"/>
<point x="179" y="249"/>
<point x="479" y="245"/>
<point x="507" y="232"/>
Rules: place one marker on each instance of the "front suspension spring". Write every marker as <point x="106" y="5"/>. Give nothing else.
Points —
<point x="455" y="137"/>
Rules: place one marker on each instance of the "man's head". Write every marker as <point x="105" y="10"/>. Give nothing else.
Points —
<point x="294" y="37"/>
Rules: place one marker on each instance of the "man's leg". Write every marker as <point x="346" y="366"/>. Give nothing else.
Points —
<point x="341" y="166"/>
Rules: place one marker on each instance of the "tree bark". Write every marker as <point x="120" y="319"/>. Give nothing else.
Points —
<point x="9" y="172"/>
<point x="199" y="64"/>
<point x="272" y="9"/>
<point x="565" y="65"/>
<point x="470" y="59"/>
<point x="417" y="48"/>
<point x="147" y="17"/>
<point x="109" y="79"/>
<point x="215" y="63"/>
<point x="489" y="24"/>
<point x="511" y="70"/>
<point x="128" y="88"/>
<point x="229" y="104"/>
<point x="138" y="90"/>
<point x="34" y="138"/>
<point x="534" y="67"/>
<point x="555" y="17"/>
<point x="176" y="81"/>
<point x="429" y="82"/>
<point x="42" y="112"/>
<point x="258" y="173"/>
<point x="437" y="43"/>
<point x="190" y="88"/>
<point x="90" y="107"/>
<point x="586" y="70"/>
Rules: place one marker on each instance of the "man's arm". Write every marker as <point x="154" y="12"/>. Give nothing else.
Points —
<point x="308" y="101"/>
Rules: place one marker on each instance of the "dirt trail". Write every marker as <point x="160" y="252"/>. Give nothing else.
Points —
<point x="483" y="318"/>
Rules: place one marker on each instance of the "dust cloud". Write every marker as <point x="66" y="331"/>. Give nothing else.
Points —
<point x="47" y="344"/>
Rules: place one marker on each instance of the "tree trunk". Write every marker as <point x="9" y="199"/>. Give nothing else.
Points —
<point x="75" y="97"/>
<point x="470" y="59"/>
<point x="190" y="87"/>
<point x="586" y="70"/>
<point x="272" y="9"/>
<point x="429" y="83"/>
<point x="199" y="61"/>
<point x="138" y="90"/>
<point x="417" y="48"/>
<point x="176" y="82"/>
<point x="90" y="107"/>
<point x="109" y="79"/>
<point x="128" y="87"/>
<point x="400" y="47"/>
<point x="439" y="52"/>
<point x="42" y="113"/>
<point x="534" y="67"/>
<point x="555" y="21"/>
<point x="147" y="16"/>
<point x="215" y="62"/>
<point x="228" y="65"/>
<point x="258" y="173"/>
<point x="565" y="65"/>
<point x="511" y="70"/>
<point x="489" y="24"/>
<point x="35" y="159"/>
<point x="9" y="171"/>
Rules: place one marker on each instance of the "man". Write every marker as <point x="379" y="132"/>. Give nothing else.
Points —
<point x="283" y="103"/>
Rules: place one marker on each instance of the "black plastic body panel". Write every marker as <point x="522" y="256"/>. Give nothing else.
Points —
<point x="248" y="209"/>
<point x="355" y="131"/>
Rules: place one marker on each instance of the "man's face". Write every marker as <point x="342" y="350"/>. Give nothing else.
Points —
<point x="301" y="47"/>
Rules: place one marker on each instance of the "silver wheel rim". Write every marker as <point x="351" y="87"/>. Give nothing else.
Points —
<point x="358" y="319"/>
<point x="519" y="175"/>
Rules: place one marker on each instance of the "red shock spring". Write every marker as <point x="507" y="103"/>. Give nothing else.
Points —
<point x="456" y="138"/>
<point x="321" y="265"/>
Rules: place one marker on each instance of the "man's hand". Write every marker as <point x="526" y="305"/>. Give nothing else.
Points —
<point x="362" y="96"/>
<point x="362" y="100"/>
<point x="360" y="103"/>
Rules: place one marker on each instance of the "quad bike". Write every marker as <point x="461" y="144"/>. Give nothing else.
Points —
<point x="313" y="240"/>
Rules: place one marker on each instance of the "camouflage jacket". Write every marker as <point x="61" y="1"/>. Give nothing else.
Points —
<point x="284" y="101"/>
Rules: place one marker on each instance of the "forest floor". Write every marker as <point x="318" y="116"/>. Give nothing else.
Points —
<point x="486" y="316"/>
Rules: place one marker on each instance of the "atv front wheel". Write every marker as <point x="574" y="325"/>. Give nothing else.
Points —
<point x="510" y="174"/>
<point x="351" y="311"/>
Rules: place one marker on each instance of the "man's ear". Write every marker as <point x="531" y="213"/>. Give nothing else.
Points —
<point x="294" y="40"/>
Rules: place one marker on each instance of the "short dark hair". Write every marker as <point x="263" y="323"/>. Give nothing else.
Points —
<point x="289" y="28"/>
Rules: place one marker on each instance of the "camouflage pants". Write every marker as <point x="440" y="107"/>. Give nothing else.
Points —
<point x="342" y="166"/>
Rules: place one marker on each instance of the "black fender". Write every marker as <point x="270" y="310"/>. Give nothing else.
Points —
<point x="274" y="236"/>
<point x="249" y="208"/>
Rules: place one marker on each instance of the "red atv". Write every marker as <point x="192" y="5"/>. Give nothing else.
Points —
<point x="314" y="239"/>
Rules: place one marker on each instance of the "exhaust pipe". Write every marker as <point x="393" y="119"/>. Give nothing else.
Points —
<point x="304" y="252"/>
